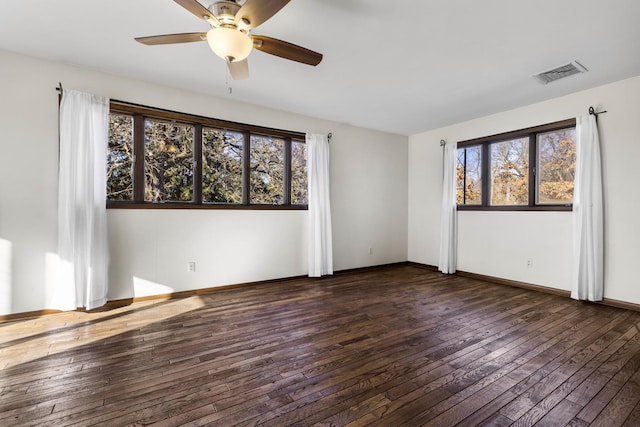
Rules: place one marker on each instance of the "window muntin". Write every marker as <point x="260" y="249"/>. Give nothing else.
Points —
<point x="176" y="160"/>
<point x="120" y="158"/>
<point x="222" y="153"/>
<point x="468" y="176"/>
<point x="168" y="161"/>
<point x="530" y="169"/>
<point x="509" y="166"/>
<point x="556" y="166"/>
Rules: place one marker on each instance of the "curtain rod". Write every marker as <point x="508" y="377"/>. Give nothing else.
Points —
<point x="60" y="91"/>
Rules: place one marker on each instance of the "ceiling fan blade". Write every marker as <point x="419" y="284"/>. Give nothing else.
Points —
<point x="172" y="38"/>
<point x="239" y="69"/>
<point x="197" y="9"/>
<point x="255" y="12"/>
<point x="286" y="50"/>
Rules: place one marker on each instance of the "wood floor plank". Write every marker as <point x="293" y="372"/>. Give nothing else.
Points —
<point x="634" y="417"/>
<point x="560" y="414"/>
<point x="389" y="346"/>
<point x="594" y="356"/>
<point x="607" y="394"/>
<point x="456" y="401"/>
<point x="599" y="378"/>
<point x="543" y="396"/>
<point x="535" y="374"/>
<point x="617" y="411"/>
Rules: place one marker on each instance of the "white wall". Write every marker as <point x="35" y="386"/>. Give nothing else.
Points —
<point x="499" y="243"/>
<point x="150" y="248"/>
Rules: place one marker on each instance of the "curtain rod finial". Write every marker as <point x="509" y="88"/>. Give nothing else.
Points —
<point x="593" y="112"/>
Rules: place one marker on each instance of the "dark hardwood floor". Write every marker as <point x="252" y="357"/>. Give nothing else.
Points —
<point x="393" y="346"/>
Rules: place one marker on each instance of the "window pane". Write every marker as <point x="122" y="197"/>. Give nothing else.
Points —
<point x="298" y="173"/>
<point x="510" y="172"/>
<point x="267" y="170"/>
<point x="556" y="166"/>
<point x="168" y="161"/>
<point x="120" y="158"/>
<point x="469" y="176"/>
<point x="221" y="166"/>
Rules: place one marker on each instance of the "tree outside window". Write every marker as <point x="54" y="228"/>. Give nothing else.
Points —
<point x="556" y="166"/>
<point x="469" y="177"/>
<point x="168" y="161"/>
<point x="510" y="172"/>
<point x="120" y="158"/>
<point x="267" y="170"/>
<point x="299" y="173"/>
<point x="222" y="166"/>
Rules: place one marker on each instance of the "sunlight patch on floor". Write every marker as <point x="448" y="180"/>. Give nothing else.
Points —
<point x="37" y="338"/>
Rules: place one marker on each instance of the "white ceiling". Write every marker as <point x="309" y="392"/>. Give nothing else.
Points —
<point x="401" y="67"/>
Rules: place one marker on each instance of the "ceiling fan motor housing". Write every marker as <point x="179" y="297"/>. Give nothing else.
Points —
<point x="225" y="11"/>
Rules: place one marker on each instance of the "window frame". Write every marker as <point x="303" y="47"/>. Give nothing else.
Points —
<point x="485" y="143"/>
<point x="140" y="113"/>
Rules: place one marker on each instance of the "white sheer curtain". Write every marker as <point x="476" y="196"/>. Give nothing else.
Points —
<point x="82" y="219"/>
<point x="320" y="243"/>
<point x="588" y="231"/>
<point x="449" y="213"/>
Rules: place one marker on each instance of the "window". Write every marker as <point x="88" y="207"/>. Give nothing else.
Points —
<point x="159" y="158"/>
<point x="469" y="179"/>
<point x="222" y="166"/>
<point x="509" y="167"/>
<point x="556" y="166"/>
<point x="120" y="158"/>
<point x="299" y="173"/>
<point x="168" y="161"/>
<point x="530" y="169"/>
<point x="267" y="170"/>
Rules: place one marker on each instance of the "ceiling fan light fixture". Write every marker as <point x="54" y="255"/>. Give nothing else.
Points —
<point x="229" y="43"/>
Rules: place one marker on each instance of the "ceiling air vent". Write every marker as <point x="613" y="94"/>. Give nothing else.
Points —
<point x="560" y="72"/>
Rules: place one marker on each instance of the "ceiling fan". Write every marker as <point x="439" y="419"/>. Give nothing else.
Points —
<point x="230" y="34"/>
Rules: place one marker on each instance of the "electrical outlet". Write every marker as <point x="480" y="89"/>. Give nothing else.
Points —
<point x="529" y="263"/>
<point x="370" y="250"/>
<point x="191" y="266"/>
